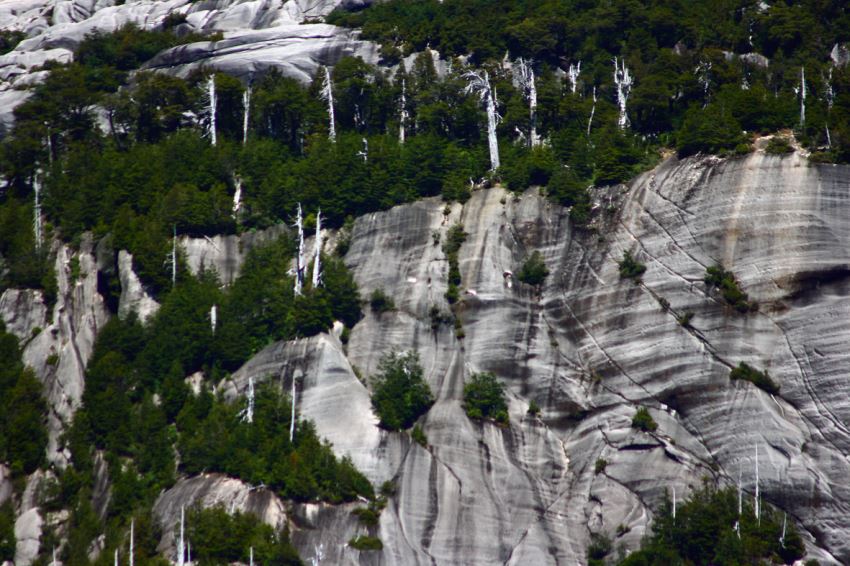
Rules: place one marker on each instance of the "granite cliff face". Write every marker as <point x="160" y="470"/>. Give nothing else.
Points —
<point x="258" y="35"/>
<point x="588" y="347"/>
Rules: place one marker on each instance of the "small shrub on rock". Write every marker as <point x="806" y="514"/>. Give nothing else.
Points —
<point x="484" y="398"/>
<point x="630" y="268"/>
<point x="778" y="146"/>
<point x="760" y="379"/>
<point x="534" y="270"/>
<point x="644" y="421"/>
<point x="366" y="542"/>
<point x="719" y="278"/>
<point x="381" y="302"/>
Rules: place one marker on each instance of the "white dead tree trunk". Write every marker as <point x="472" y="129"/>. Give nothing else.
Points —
<point x="572" y="75"/>
<point x="181" y="545"/>
<point x="213" y="318"/>
<point x="674" y="504"/>
<point x="802" y="97"/>
<point x="246" y="111"/>
<point x="237" y="196"/>
<point x="292" y="415"/>
<point x="251" y="559"/>
<point x="299" y="258"/>
<point x="623" y="80"/>
<point x="364" y="153"/>
<point x="592" y="112"/>
<point x="328" y="96"/>
<point x="211" y="102"/>
<point x="132" y="541"/>
<point x="525" y="79"/>
<point x="830" y="99"/>
<point x="402" y="121"/>
<point x="703" y="74"/>
<point x="171" y="258"/>
<point x="116" y="557"/>
<point x="317" y="261"/>
<point x="479" y="83"/>
<point x="36" y="214"/>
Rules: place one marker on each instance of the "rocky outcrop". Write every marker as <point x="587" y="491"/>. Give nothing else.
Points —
<point x="27" y="535"/>
<point x="210" y="490"/>
<point x="296" y="51"/>
<point x="258" y="36"/>
<point x="225" y="254"/>
<point x="134" y="298"/>
<point x="590" y="348"/>
<point x="58" y="347"/>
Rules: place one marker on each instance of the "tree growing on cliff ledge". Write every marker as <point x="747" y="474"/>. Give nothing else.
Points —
<point x="400" y="394"/>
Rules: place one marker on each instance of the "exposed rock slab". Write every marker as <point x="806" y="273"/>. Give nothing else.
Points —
<point x="210" y="490"/>
<point x="590" y="349"/>
<point x="58" y="347"/>
<point x="134" y="298"/>
<point x="225" y="254"/>
<point x="258" y="35"/>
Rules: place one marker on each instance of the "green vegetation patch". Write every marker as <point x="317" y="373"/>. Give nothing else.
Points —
<point x="400" y="394"/>
<point x="642" y="420"/>
<point x="23" y="410"/>
<point x="366" y="543"/>
<point x="760" y="379"/>
<point x="719" y="278"/>
<point x="454" y="239"/>
<point x="219" y="537"/>
<point x="484" y="398"/>
<point x="630" y="268"/>
<point x="703" y="532"/>
<point x="380" y="302"/>
<point x="533" y="270"/>
<point x="778" y="145"/>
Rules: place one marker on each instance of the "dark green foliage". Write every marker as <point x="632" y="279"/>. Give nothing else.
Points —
<point x="400" y="394"/>
<point x="9" y="40"/>
<point x="260" y="452"/>
<point x="600" y="466"/>
<point x="599" y="548"/>
<point x="418" y="436"/>
<point x="454" y="239"/>
<point x="484" y="398"/>
<point x="644" y="421"/>
<point x="7" y="531"/>
<point x="718" y="278"/>
<point x="368" y="516"/>
<point x="533" y="270"/>
<point x="534" y="408"/>
<point x="778" y="146"/>
<point x="23" y="410"/>
<point x="128" y="47"/>
<point x="381" y="302"/>
<point x="219" y="537"/>
<point x="710" y="129"/>
<point x="685" y="319"/>
<point x="566" y="188"/>
<point x="630" y="268"/>
<point x="365" y="543"/>
<point x="760" y="379"/>
<point x="703" y="533"/>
